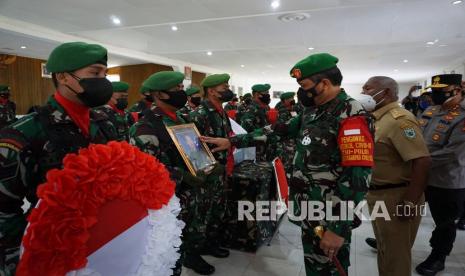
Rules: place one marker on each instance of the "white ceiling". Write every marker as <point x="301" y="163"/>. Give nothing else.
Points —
<point x="371" y="37"/>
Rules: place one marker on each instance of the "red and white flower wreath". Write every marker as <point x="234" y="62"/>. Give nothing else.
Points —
<point x="58" y="230"/>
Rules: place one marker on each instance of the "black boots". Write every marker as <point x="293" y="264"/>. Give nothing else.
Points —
<point x="198" y="264"/>
<point x="372" y="243"/>
<point x="432" y="265"/>
<point x="215" y="251"/>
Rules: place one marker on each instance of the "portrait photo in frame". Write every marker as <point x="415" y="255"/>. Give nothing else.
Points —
<point x="194" y="152"/>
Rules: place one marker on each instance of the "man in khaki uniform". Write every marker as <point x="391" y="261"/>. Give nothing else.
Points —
<point x="399" y="176"/>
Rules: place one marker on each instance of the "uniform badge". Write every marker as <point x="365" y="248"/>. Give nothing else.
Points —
<point x="306" y="141"/>
<point x="429" y="113"/>
<point x="422" y="122"/>
<point x="410" y="133"/>
<point x="440" y="127"/>
<point x="448" y="118"/>
<point x="436" y="137"/>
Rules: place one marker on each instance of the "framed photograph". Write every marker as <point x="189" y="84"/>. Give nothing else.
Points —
<point x="45" y="73"/>
<point x="195" y="153"/>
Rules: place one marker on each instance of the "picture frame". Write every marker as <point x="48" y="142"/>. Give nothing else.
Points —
<point x="194" y="152"/>
<point x="44" y="72"/>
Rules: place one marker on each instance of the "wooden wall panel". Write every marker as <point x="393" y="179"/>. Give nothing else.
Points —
<point x="135" y="75"/>
<point x="197" y="78"/>
<point x="28" y="88"/>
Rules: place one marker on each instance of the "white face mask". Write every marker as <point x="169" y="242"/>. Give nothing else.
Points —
<point x="367" y="101"/>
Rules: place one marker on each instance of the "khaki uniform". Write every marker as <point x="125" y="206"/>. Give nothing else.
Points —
<point x="398" y="140"/>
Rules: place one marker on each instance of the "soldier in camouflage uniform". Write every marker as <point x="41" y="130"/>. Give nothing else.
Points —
<point x="194" y="97"/>
<point x="286" y="147"/>
<point x="211" y="120"/>
<point x="242" y="107"/>
<point x="116" y="110"/>
<point x="231" y="107"/>
<point x="7" y="107"/>
<point x="326" y="166"/>
<point x="150" y="135"/>
<point x="143" y="104"/>
<point x="39" y="141"/>
<point x="255" y="117"/>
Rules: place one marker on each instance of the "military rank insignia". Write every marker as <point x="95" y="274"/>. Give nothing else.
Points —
<point x="436" y="137"/>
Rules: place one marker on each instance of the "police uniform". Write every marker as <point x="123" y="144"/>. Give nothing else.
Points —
<point x="121" y="118"/>
<point x="324" y="168"/>
<point x="7" y="107"/>
<point x="444" y="131"/>
<point x="398" y="140"/>
<point x="38" y="142"/>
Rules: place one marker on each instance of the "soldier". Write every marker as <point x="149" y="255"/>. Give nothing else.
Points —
<point x="246" y="101"/>
<point x="286" y="147"/>
<point x="38" y="142"/>
<point x="7" y="107"/>
<point x="443" y="127"/>
<point x="116" y="110"/>
<point x="150" y="135"/>
<point x="399" y="177"/>
<point x="324" y="169"/>
<point x="212" y="120"/>
<point x="231" y="107"/>
<point x="143" y="104"/>
<point x="194" y="97"/>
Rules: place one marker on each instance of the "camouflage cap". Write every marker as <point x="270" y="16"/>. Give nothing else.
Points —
<point x="72" y="56"/>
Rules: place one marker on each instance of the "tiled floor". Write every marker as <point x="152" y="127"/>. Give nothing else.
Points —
<point x="285" y="257"/>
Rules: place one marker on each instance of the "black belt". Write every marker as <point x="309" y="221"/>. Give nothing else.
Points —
<point x="387" y="186"/>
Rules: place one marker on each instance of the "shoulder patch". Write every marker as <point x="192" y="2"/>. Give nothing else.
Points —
<point x="396" y="113"/>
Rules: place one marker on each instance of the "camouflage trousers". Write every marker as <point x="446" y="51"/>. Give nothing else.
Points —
<point x="215" y="203"/>
<point x="194" y="233"/>
<point x="11" y="232"/>
<point x="286" y="152"/>
<point x="9" y="259"/>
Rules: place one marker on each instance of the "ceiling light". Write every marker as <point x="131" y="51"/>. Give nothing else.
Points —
<point x="275" y="4"/>
<point x="242" y="65"/>
<point x="311" y="48"/>
<point x="430" y="42"/>
<point x="396" y="70"/>
<point x="457" y="2"/>
<point x="291" y="17"/>
<point x="209" y="53"/>
<point x="405" y="60"/>
<point x="443" y="45"/>
<point x="23" y="47"/>
<point x="174" y="28"/>
<point x="116" y="20"/>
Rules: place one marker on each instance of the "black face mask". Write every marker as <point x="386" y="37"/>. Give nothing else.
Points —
<point x="248" y="101"/>
<point x="304" y="99"/>
<point x="226" y="95"/>
<point x="121" y="104"/>
<point x="196" y="100"/>
<point x="177" y="99"/>
<point x="97" y="91"/>
<point x="265" y="99"/>
<point x="292" y="102"/>
<point x="149" y="98"/>
<point x="439" y="97"/>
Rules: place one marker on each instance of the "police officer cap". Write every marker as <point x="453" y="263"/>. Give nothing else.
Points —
<point x="120" y="86"/>
<point x="72" y="56"/>
<point x="163" y="80"/>
<point x="215" y="79"/>
<point x="441" y="81"/>
<point x="313" y="64"/>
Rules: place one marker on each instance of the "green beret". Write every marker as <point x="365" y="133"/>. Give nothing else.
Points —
<point x="4" y="87"/>
<point x="163" y="80"/>
<point x="192" y="90"/>
<point x="247" y="95"/>
<point x="120" y="86"/>
<point x="261" y="87"/>
<point x="143" y="89"/>
<point x="214" y="80"/>
<point x="313" y="64"/>
<point x="72" y="56"/>
<point x="287" y="95"/>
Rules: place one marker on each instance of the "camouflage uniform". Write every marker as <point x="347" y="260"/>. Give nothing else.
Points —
<point x="29" y="148"/>
<point x="230" y="106"/>
<point x="121" y="122"/>
<point x="254" y="117"/>
<point x="286" y="147"/>
<point x="184" y="112"/>
<point x="319" y="176"/>
<point x="7" y="113"/>
<point x="141" y="106"/>
<point x="214" y="124"/>
<point x="150" y="135"/>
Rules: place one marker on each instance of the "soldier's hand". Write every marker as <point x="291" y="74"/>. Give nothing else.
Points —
<point x="331" y="243"/>
<point x="220" y="143"/>
<point x="195" y="181"/>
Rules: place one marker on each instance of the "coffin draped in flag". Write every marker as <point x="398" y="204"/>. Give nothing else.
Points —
<point x="111" y="210"/>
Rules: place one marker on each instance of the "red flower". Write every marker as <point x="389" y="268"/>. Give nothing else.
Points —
<point x="55" y="240"/>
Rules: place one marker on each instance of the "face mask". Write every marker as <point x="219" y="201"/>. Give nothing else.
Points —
<point x="304" y="99"/>
<point x="121" y="104"/>
<point x="226" y="95"/>
<point x="439" y="97"/>
<point x="177" y="99"/>
<point x="196" y="100"/>
<point x="423" y="103"/>
<point x="366" y="101"/>
<point x="248" y="101"/>
<point x="292" y="102"/>
<point x="149" y="98"/>
<point x="97" y="91"/>
<point x="265" y="99"/>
